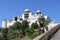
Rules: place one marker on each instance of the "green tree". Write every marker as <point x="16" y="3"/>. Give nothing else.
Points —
<point x="14" y="31"/>
<point x="12" y="34"/>
<point x="25" y="23"/>
<point x="4" y="33"/>
<point x="29" y="32"/>
<point x="1" y="38"/>
<point x="24" y="26"/>
<point x="45" y="23"/>
<point x="34" y="25"/>
<point x="17" y="25"/>
<point x="0" y="29"/>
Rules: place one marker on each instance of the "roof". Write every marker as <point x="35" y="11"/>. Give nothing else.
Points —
<point x="26" y="10"/>
<point x="38" y="11"/>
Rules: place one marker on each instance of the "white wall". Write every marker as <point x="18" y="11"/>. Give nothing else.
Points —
<point x="31" y="19"/>
<point x="4" y="23"/>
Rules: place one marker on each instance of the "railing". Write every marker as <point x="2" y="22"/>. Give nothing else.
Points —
<point x="46" y="35"/>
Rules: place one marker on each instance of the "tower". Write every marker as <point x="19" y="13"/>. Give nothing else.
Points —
<point x="26" y="13"/>
<point x="38" y="12"/>
<point x="4" y="23"/>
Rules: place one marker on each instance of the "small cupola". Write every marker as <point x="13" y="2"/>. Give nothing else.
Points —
<point x="26" y="10"/>
<point x="38" y="12"/>
<point x="26" y="13"/>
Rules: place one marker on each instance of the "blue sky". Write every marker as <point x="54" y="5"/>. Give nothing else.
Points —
<point x="11" y="8"/>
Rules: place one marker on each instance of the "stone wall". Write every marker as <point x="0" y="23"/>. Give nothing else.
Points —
<point x="46" y="35"/>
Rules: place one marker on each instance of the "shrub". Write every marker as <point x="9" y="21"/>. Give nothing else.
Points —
<point x="29" y="32"/>
<point x="34" y="26"/>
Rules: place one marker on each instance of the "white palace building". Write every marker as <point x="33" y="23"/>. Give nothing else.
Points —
<point x="27" y="15"/>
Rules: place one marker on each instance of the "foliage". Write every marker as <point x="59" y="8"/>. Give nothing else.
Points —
<point x="34" y="26"/>
<point x="20" y="30"/>
<point x="17" y="25"/>
<point x="25" y="24"/>
<point x="0" y="29"/>
<point x="1" y="38"/>
<point x="35" y="34"/>
<point x="45" y="22"/>
<point x="4" y="33"/>
<point x="12" y="34"/>
<point x="29" y="31"/>
<point x="32" y="33"/>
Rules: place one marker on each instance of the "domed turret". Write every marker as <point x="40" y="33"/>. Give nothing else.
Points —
<point x="38" y="11"/>
<point x="26" y="13"/>
<point x="26" y="10"/>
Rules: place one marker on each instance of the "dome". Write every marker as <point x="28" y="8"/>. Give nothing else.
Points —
<point x="38" y="11"/>
<point x="26" y="10"/>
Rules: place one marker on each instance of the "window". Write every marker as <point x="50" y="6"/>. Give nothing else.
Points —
<point x="15" y="18"/>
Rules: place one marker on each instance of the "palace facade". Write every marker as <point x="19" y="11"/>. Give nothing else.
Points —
<point x="27" y="15"/>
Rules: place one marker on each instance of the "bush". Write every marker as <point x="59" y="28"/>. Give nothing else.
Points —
<point x="35" y="34"/>
<point x="34" y="26"/>
<point x="29" y="32"/>
<point x="17" y="25"/>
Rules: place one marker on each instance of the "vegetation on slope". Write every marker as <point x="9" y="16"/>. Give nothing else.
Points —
<point x="20" y="31"/>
